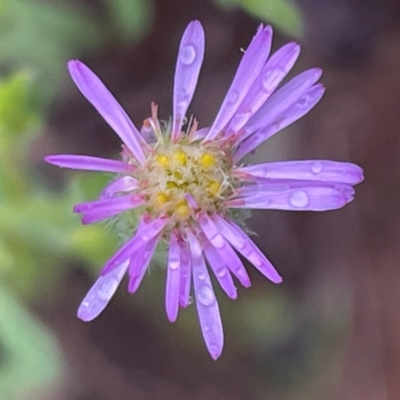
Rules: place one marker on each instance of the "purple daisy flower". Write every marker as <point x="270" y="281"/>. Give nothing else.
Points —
<point x="183" y="187"/>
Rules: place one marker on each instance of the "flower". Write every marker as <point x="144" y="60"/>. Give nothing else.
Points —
<point x="185" y="187"/>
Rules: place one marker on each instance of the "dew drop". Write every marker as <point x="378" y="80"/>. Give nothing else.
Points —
<point x="222" y="272"/>
<point x="190" y="300"/>
<point x="206" y="328"/>
<point x="240" y="119"/>
<point x="303" y="101"/>
<point x="250" y="128"/>
<point x="272" y="78"/>
<point x="233" y="96"/>
<point x="316" y="168"/>
<point x="299" y="199"/>
<point x="201" y="275"/>
<point x="188" y="54"/>
<point x="205" y="295"/>
<point x="107" y="288"/>
<point x="174" y="264"/>
<point x="254" y="259"/>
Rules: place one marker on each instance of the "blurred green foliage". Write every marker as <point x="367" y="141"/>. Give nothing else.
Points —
<point x="28" y="352"/>
<point x="132" y="18"/>
<point x="282" y="14"/>
<point x="41" y="35"/>
<point x="38" y="232"/>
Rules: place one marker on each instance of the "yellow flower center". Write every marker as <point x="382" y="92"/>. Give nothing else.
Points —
<point x="182" y="178"/>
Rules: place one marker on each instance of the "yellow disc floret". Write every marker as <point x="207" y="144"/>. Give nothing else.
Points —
<point x="184" y="178"/>
<point x="207" y="160"/>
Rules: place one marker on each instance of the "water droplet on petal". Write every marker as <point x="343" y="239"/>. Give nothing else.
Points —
<point x="233" y="96"/>
<point x="188" y="54"/>
<point x="190" y="300"/>
<point x="206" y="328"/>
<point x="272" y="78"/>
<point x="107" y="288"/>
<point x="201" y="275"/>
<point x="205" y="295"/>
<point x="299" y="199"/>
<point x="174" y="264"/>
<point x="222" y="272"/>
<point x="303" y="101"/>
<point x="254" y="259"/>
<point x="316" y="168"/>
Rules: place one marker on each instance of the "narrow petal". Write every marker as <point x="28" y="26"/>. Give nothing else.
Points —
<point x="172" y="291"/>
<point x="307" y="170"/>
<point x="186" y="272"/>
<point x="275" y="69"/>
<point x="108" y="107"/>
<point x="101" y="292"/>
<point x="98" y="216"/>
<point x="88" y="163"/>
<point x="282" y="100"/>
<point x="145" y="232"/>
<point x="298" y="196"/>
<point x="221" y="271"/>
<point x="297" y="110"/>
<point x="139" y="263"/>
<point x="248" y="249"/>
<point x="206" y="302"/>
<point x="124" y="184"/>
<point x="224" y="250"/>
<point x="247" y="72"/>
<point x="190" y="59"/>
<point x="200" y="134"/>
<point x="121" y="203"/>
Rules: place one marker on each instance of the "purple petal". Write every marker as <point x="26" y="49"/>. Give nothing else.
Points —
<point x="206" y="302"/>
<point x="148" y="133"/>
<point x="190" y="58"/>
<point x="200" y="134"/>
<point x="101" y="292"/>
<point x="173" y="279"/>
<point x="121" y="203"/>
<point x="88" y="163"/>
<point x="124" y="184"/>
<point x="139" y="263"/>
<point x="186" y="271"/>
<point x="281" y="100"/>
<point x="295" y="196"/>
<point x="145" y="232"/>
<point x="108" y="107"/>
<point x="94" y="217"/>
<point x="307" y="170"/>
<point x="249" y="68"/>
<point x="221" y="271"/>
<point x="248" y="249"/>
<point x="223" y="249"/>
<point x="297" y="110"/>
<point x="275" y="69"/>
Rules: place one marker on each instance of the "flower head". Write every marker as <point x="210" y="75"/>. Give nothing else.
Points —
<point x="185" y="187"/>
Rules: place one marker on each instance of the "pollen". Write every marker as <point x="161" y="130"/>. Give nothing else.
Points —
<point x="180" y="157"/>
<point x="160" y="199"/>
<point x="214" y="187"/>
<point x="182" y="209"/>
<point x="207" y="160"/>
<point x="162" y="160"/>
<point x="182" y="170"/>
